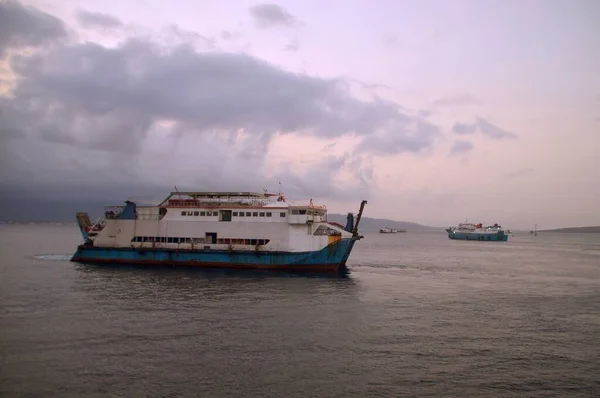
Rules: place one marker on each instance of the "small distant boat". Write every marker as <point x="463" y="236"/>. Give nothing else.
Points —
<point x="469" y="231"/>
<point x="534" y="232"/>
<point x="388" y="230"/>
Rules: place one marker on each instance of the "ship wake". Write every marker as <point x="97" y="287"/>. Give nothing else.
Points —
<point x="53" y="257"/>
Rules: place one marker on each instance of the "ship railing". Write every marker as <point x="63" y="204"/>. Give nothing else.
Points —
<point x="184" y="205"/>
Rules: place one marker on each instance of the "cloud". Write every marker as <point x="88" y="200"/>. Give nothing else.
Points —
<point x="460" y="147"/>
<point x="228" y="35"/>
<point x="493" y="131"/>
<point x="293" y="46"/>
<point x="464" y="128"/>
<point x="425" y="113"/>
<point x="272" y="15"/>
<point x="457" y="100"/>
<point x="390" y="39"/>
<point x="484" y="127"/>
<point x="407" y="134"/>
<point x="518" y="173"/>
<point x="95" y="19"/>
<point x="23" y="26"/>
<point x="82" y="115"/>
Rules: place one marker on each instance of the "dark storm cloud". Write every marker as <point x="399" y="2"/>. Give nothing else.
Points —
<point x="81" y="114"/>
<point x="82" y="92"/>
<point x="460" y="147"/>
<point x="22" y="26"/>
<point x="95" y="19"/>
<point x="484" y="127"/>
<point x="271" y="15"/>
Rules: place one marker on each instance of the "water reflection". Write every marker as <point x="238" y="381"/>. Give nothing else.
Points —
<point x="166" y="285"/>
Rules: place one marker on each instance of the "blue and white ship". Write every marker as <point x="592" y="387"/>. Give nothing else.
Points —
<point x="219" y="230"/>
<point x="469" y="231"/>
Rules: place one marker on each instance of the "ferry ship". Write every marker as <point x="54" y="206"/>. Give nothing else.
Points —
<point x="219" y="230"/>
<point x="469" y="231"/>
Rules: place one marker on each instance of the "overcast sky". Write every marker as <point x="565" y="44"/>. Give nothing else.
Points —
<point x="434" y="111"/>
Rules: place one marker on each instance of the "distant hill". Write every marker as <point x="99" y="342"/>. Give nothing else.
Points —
<point x="578" y="230"/>
<point x="368" y="224"/>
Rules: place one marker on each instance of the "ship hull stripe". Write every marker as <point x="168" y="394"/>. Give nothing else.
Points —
<point x="328" y="259"/>
<point x="476" y="236"/>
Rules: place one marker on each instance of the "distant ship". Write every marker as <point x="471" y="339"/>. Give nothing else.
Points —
<point x="469" y="231"/>
<point x="219" y="229"/>
<point x="388" y="230"/>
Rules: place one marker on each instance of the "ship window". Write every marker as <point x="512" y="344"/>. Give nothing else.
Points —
<point x="253" y="242"/>
<point x="196" y="213"/>
<point x="255" y="214"/>
<point x="202" y="213"/>
<point x="248" y="214"/>
<point x="225" y="215"/>
<point x="326" y="231"/>
<point x="241" y="214"/>
<point x="302" y="211"/>
<point x="190" y="213"/>
<point x="269" y="214"/>
<point x="211" y="237"/>
<point x="183" y="213"/>
<point x="169" y="240"/>
<point x="282" y="214"/>
<point x="262" y="214"/>
<point x="235" y="213"/>
<point x="294" y="211"/>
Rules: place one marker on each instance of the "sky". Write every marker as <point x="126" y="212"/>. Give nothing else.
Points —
<point x="433" y="111"/>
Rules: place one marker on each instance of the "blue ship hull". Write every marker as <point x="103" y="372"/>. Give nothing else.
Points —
<point x="329" y="259"/>
<point x="499" y="237"/>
